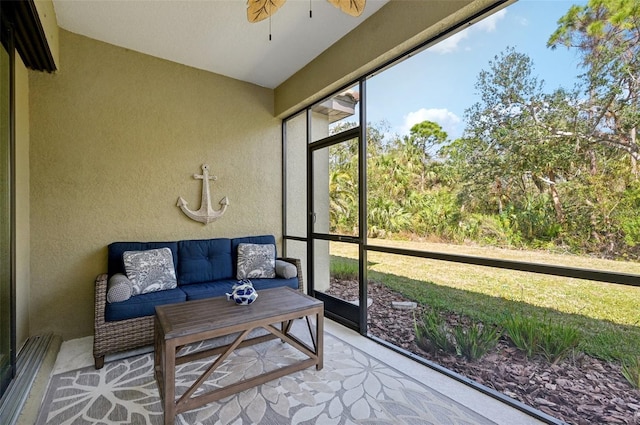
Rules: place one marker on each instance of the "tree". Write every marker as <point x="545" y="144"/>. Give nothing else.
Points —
<point x="426" y="137"/>
<point x="607" y="35"/>
<point x="510" y="150"/>
<point x="417" y="149"/>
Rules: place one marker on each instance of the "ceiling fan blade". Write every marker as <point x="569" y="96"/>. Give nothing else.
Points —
<point x="257" y="10"/>
<point x="350" y="7"/>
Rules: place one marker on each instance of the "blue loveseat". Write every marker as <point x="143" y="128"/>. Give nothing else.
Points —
<point x="203" y="268"/>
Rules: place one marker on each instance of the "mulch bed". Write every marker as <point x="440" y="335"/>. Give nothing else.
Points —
<point x="579" y="390"/>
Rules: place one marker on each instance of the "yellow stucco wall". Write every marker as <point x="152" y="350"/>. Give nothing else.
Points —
<point x="115" y="139"/>
<point x="23" y="274"/>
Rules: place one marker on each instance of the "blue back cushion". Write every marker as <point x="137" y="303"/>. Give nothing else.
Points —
<point x="116" y="249"/>
<point x="204" y="260"/>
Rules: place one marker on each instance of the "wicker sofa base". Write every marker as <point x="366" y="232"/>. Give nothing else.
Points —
<point x="125" y="335"/>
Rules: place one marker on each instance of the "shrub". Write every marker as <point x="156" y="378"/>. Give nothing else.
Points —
<point x="432" y="333"/>
<point x="534" y="336"/>
<point x="476" y="340"/>
<point x="523" y="332"/>
<point x="472" y="342"/>
<point x="556" y="341"/>
<point x="631" y="371"/>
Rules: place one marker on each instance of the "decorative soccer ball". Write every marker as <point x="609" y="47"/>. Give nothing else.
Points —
<point x="243" y="293"/>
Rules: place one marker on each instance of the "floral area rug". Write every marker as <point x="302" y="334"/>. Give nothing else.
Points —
<point x="352" y="388"/>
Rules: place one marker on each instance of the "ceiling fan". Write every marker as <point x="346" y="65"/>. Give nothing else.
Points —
<point x="257" y="10"/>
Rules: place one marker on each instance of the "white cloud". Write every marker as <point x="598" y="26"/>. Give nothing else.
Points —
<point x="489" y="23"/>
<point x="452" y="43"/>
<point x="445" y="118"/>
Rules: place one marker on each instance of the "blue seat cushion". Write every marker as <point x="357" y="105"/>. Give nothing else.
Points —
<point x="142" y="305"/>
<point x="198" y="291"/>
<point x="116" y="249"/>
<point x="204" y="260"/>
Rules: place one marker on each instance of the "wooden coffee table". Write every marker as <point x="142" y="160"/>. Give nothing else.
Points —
<point x="177" y="325"/>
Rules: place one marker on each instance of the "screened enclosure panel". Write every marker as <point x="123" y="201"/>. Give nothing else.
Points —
<point x="295" y="176"/>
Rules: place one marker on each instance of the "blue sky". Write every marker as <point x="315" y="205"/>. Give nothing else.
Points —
<point x="438" y="84"/>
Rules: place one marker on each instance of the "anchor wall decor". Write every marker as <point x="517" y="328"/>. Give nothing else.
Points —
<point x="205" y="214"/>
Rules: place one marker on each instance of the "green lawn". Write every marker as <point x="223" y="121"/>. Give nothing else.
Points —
<point x="607" y="315"/>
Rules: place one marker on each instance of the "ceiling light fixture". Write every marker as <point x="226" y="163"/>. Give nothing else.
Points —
<point x="258" y="10"/>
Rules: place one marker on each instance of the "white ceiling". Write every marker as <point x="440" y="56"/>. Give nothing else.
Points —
<point x="215" y="35"/>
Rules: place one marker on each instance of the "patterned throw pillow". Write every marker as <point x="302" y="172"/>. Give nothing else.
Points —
<point x="256" y="261"/>
<point x="149" y="271"/>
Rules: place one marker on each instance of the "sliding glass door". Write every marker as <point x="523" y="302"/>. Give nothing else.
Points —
<point x="7" y="326"/>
